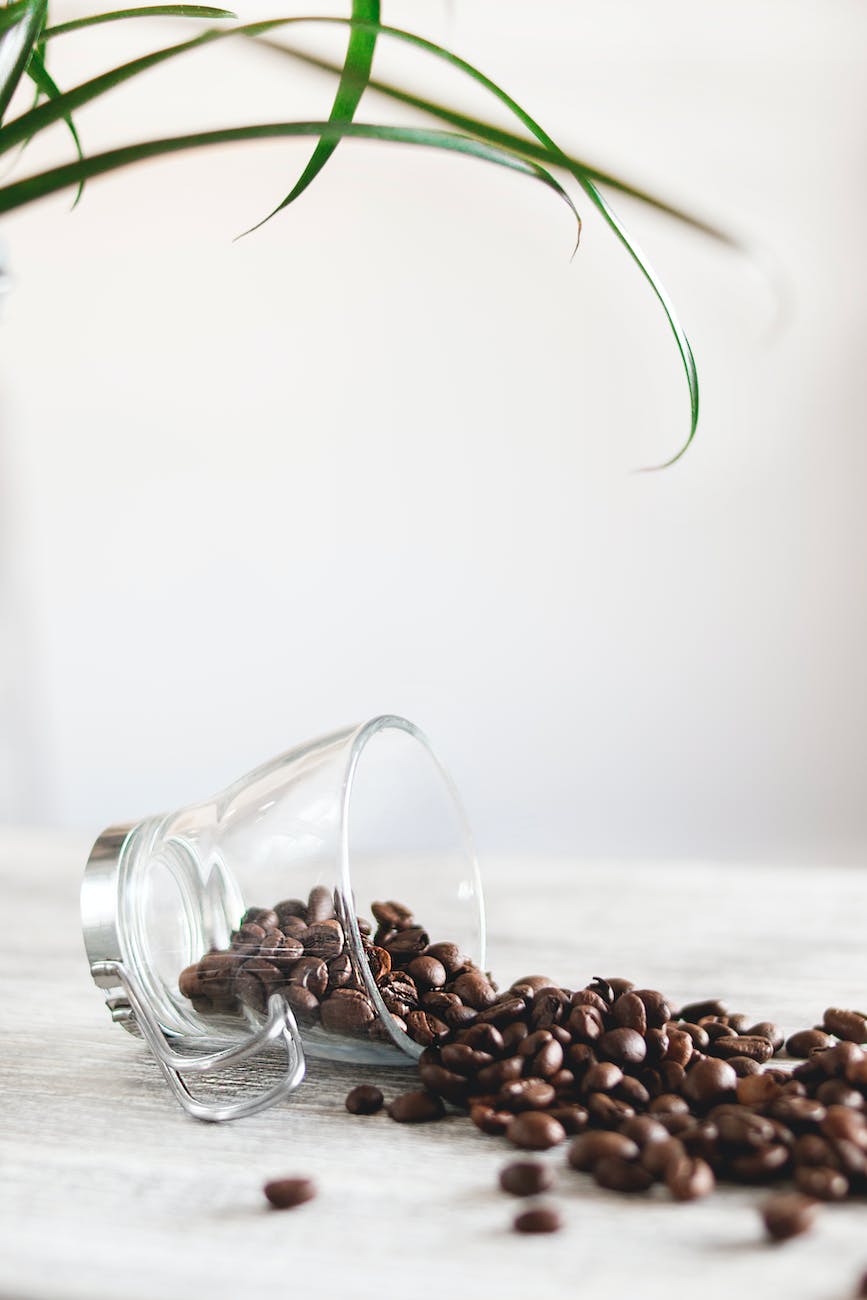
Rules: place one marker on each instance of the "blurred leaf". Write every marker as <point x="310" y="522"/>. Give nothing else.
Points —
<point x="44" y="82"/>
<point x="11" y="14"/>
<point x="354" y="76"/>
<point x="145" y="11"/>
<point x="16" y="46"/>
<point x="31" y="188"/>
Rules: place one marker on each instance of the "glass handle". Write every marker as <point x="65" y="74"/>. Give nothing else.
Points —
<point x="279" y="1026"/>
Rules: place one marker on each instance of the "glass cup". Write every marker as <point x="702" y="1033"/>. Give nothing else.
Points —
<point x="285" y="910"/>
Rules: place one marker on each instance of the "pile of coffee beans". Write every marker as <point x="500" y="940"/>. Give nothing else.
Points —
<point x="300" y="950"/>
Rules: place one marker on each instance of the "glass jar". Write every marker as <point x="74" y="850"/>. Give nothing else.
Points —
<point x="231" y="925"/>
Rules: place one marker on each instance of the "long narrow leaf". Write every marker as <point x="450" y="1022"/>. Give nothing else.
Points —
<point x="354" y="76"/>
<point x="31" y="188"/>
<point x="16" y="45"/>
<point x="144" y="11"/>
<point x="13" y="13"/>
<point x="554" y="156"/>
<point x="44" y="82"/>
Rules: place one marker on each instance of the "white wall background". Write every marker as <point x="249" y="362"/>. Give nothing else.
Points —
<point x="225" y="528"/>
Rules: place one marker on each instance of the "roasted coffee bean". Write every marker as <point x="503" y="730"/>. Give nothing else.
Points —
<point x="851" y="1158"/>
<point x="189" y="982"/>
<point x="619" y="1175"/>
<point x="759" y="1166"/>
<point x="427" y="972"/>
<point x="628" y="1012"/>
<point x="671" y="1075"/>
<point x="364" y="1100"/>
<point x="633" y="1092"/>
<point x="811" y="1149"/>
<point x="623" y="1046"/>
<point x="758" y="1049"/>
<point x="460" y="1017"/>
<point x="514" y="1034"/>
<point x="607" y="1111"/>
<point x="836" y="1060"/>
<point x="738" y="1127"/>
<point x="836" y="1092"/>
<point x="493" y="1122"/>
<point x="573" y="1118"/>
<point x="525" y="1094"/>
<point x="304" y="1003"/>
<point x="526" y="1178"/>
<point x="449" y="955"/>
<point x="656" y="1008"/>
<point x="806" y="1041"/>
<point x="744" y="1065"/>
<point x="263" y="916"/>
<point x="392" y="914"/>
<point x="680" y="1047"/>
<point x="379" y="961"/>
<point x="474" y="990"/>
<point x="657" y="1156"/>
<point x="462" y="1059"/>
<point x="689" y="1178"/>
<point x="535" y="1130"/>
<point x="453" y="1087"/>
<point x="416" y="1108"/>
<point x="286" y="1193"/>
<point x="548" y="1008"/>
<point x="320" y="905"/>
<point x="340" y="972"/>
<point x="788" y="1215"/>
<point x="493" y="1077"/>
<point x="483" y="1038"/>
<point x="587" y="998"/>
<point x="643" y="1129"/>
<point x="293" y="927"/>
<point x="407" y="944"/>
<point x="347" y="1011"/>
<point x="323" y="939"/>
<point x="766" y="1029"/>
<point x="823" y="1184"/>
<point x="425" y="1028"/>
<point x="438" y="1002"/>
<point x="657" y="1045"/>
<point x="701" y="1140"/>
<point x="528" y="985"/>
<point x="697" y="1033"/>
<point x="310" y="973"/>
<point x="541" y="1219"/>
<point x="249" y="931"/>
<point x="288" y="908"/>
<point x="588" y="1148"/>
<point x="709" y="1081"/>
<point x="798" y="1113"/>
<point x="585" y="1024"/>
<point x="216" y="973"/>
<point x="503" y="1013"/>
<point x="696" y="1011"/>
<point x="851" y="1026"/>
<point x="841" y="1122"/>
<point x="668" y="1103"/>
<point x="619" y="985"/>
<point x="603" y="988"/>
<point x="250" y="990"/>
<point x="604" y="1076"/>
<point x="716" y="1029"/>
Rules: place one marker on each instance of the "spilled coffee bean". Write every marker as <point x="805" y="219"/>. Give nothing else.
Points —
<point x="286" y="1193"/>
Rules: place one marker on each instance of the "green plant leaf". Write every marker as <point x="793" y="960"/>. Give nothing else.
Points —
<point x="145" y="11"/>
<point x="555" y="157"/>
<point x="16" y="45"/>
<point x="12" y="13"/>
<point x="354" y="76"/>
<point x="44" y="82"/>
<point x="30" y="188"/>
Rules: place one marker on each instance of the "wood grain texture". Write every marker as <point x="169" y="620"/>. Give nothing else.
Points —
<point x="108" y="1190"/>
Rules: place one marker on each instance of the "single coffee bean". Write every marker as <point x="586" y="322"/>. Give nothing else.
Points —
<point x="767" y="1029"/>
<point x="310" y="973"/>
<point x="709" y="1080"/>
<point x="573" y="1118"/>
<point x="680" y="1047"/>
<point x="525" y="1094"/>
<point x="689" y="1178"/>
<point x="744" y="1065"/>
<point x="607" y="1111"/>
<point x="340" y="972"/>
<point x="788" y="1215"/>
<point x="628" y="1012"/>
<point x="503" y="1013"/>
<point x="416" y="1108"/>
<point x="798" y="1113"/>
<point x="668" y="1103"/>
<point x="286" y="1193"/>
<point x="427" y="972"/>
<point x="426" y="1029"/>
<point x="483" y="1038"/>
<point x="493" y="1122"/>
<point x="851" y="1026"/>
<point x="538" y="1220"/>
<point x="697" y="1033"/>
<point x="449" y="955"/>
<point x="474" y="990"/>
<point x="534" y="1130"/>
<point x="364" y="1100"/>
<point x="530" y="984"/>
<point x="841" y="1122"/>
<point x="836" y="1060"/>
<point x="588" y="998"/>
<point x="493" y="1077"/>
<point x="822" y="1184"/>
<point x="657" y="1010"/>
<point x="633" y="1092"/>
<point x="836" y="1092"/>
<point x="453" y="1087"/>
<point x="604" y="1076"/>
<point x="407" y="944"/>
<point x="806" y="1041"/>
<point x="657" y="1156"/>
<point x="291" y="907"/>
<point x="392" y="914"/>
<point x="618" y="1175"/>
<point x="323" y="939"/>
<point x="696" y="1011"/>
<point x="623" y="1046"/>
<point x="585" y="1024"/>
<point x="759" y="1166"/>
<point x="379" y="961"/>
<point x="548" y="1008"/>
<point x="303" y="1003"/>
<point x="603" y="988"/>
<point x="588" y="1148"/>
<point x="514" y="1034"/>
<point x="758" y="1049"/>
<point x="526" y="1178"/>
<point x="347" y="1011"/>
<point x="643" y="1129"/>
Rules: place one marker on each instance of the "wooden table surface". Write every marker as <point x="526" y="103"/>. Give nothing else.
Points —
<point x="108" y="1190"/>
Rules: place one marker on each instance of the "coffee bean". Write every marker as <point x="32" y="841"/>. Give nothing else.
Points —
<point x="657" y="1010"/>
<point x="695" y="1011"/>
<point x="425" y="1028"/>
<point x="668" y="1103"/>
<point x="760" y="1166"/>
<point x="628" y="1012"/>
<point x="534" y="1130"/>
<point x="836" y="1092"/>
<point x="530" y="984"/>
<point x="347" y="1011"/>
<point x="709" y="1080"/>
<point x="604" y="1076"/>
<point x="744" y="1065"/>
<point x="503" y="1012"/>
<point x="573" y="1118"/>
<point x="618" y="1175"/>
<point x="758" y="1049"/>
<point x="303" y="1003"/>
<point x="841" y="1122"/>
<point x="587" y="998"/>
<point x="623" y="1046"/>
<point x="453" y="1087"/>
<point x="493" y="1122"/>
<point x="588" y="1148"/>
<point x="526" y="1178"/>
<point x="644" y="1129"/>
<point x="525" y="1094"/>
<point x="340" y="972"/>
<point x="392" y="914"/>
<point x="416" y="1108"/>
<point x="427" y="972"/>
<point x="822" y="1184"/>
<point x="448" y="955"/>
<point x="310" y="973"/>
<point x="364" y="1100"/>
<point x="407" y="944"/>
<point x="474" y="990"/>
<point x="697" y="1033"/>
<point x="680" y="1047"/>
<point x="657" y="1156"/>
<point x="379" y="961"/>
<point x="483" y="1038"/>
<point x="585" y="1024"/>
<point x="788" y="1215"/>
<point x="689" y="1178"/>
<point x="603" y="988"/>
<point x="538" y="1220"/>
<point x="548" y="1008"/>
<point x="767" y="1029"/>
<point x="851" y="1026"/>
<point x="286" y="1193"/>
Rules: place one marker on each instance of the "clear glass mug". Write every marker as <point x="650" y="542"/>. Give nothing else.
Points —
<point x="171" y="909"/>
